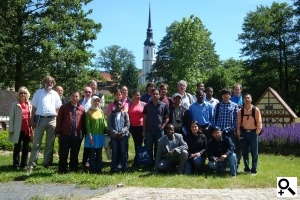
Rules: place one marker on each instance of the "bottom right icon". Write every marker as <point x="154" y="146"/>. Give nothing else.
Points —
<point x="286" y="186"/>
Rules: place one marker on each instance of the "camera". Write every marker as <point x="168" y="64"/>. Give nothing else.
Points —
<point x="178" y="121"/>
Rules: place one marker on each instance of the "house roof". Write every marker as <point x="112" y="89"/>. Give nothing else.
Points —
<point x="7" y="97"/>
<point x="278" y="97"/>
<point x="106" y="76"/>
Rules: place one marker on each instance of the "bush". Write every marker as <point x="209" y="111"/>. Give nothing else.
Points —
<point x="281" y="137"/>
<point x="4" y="143"/>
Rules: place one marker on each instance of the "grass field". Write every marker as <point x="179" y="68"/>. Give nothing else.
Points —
<point x="269" y="168"/>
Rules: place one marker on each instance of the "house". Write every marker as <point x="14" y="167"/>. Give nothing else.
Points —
<point x="7" y="97"/>
<point x="274" y="109"/>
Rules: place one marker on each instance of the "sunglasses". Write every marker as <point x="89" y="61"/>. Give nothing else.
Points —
<point x="23" y="93"/>
<point x="87" y="92"/>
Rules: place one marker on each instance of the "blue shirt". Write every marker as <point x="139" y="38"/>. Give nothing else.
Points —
<point x="238" y="100"/>
<point x="227" y="115"/>
<point x="202" y="113"/>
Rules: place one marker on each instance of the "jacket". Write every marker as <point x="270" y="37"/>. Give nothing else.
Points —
<point x="15" y="121"/>
<point x="112" y="126"/>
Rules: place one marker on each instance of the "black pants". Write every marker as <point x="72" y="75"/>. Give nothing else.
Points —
<point x="237" y="144"/>
<point x="24" y="144"/>
<point x="68" y="143"/>
<point x="137" y="135"/>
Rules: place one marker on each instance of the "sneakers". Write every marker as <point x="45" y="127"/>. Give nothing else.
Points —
<point x="253" y="174"/>
<point x="30" y="169"/>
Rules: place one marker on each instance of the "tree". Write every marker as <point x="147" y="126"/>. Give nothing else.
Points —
<point x="269" y="46"/>
<point x="226" y="75"/>
<point x="186" y="52"/>
<point x="114" y="60"/>
<point x="40" y="37"/>
<point x="129" y="78"/>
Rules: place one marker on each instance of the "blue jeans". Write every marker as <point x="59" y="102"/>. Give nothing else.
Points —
<point x="119" y="153"/>
<point x="250" y="141"/>
<point x="194" y="164"/>
<point x="220" y="166"/>
<point x="152" y="138"/>
<point x="95" y="159"/>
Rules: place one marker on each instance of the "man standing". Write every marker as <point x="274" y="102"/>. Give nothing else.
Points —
<point x="220" y="153"/>
<point x="70" y="128"/>
<point x="186" y="98"/>
<point x="60" y="92"/>
<point x="171" y="151"/>
<point x="248" y="134"/>
<point x="93" y="85"/>
<point x="209" y="91"/>
<point x="237" y="96"/>
<point x="46" y="103"/>
<point x="86" y="100"/>
<point x="225" y="117"/>
<point x="155" y="117"/>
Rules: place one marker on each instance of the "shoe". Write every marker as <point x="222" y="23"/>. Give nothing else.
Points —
<point x="253" y="174"/>
<point x="246" y="171"/>
<point x="180" y="172"/>
<point x="30" y="169"/>
<point x="233" y="176"/>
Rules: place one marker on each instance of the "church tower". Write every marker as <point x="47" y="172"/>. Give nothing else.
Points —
<point x="149" y="51"/>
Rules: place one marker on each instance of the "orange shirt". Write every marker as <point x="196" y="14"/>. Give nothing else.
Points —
<point x="248" y="120"/>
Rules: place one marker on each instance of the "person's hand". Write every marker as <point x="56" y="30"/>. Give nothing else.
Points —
<point x="118" y="136"/>
<point x="91" y="141"/>
<point x="216" y="159"/>
<point x="223" y="157"/>
<point x="143" y="134"/>
<point x="31" y="123"/>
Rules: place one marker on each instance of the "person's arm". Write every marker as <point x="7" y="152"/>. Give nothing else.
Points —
<point x="144" y="124"/>
<point x="32" y="116"/>
<point x="238" y="130"/>
<point x="59" y="123"/>
<point x="258" y="121"/>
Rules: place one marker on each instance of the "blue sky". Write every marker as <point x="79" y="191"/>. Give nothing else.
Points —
<point x="124" y="23"/>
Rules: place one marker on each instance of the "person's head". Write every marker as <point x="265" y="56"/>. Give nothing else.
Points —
<point x="176" y="99"/>
<point x="181" y="86"/>
<point x="170" y="130"/>
<point x="155" y="95"/>
<point x="93" y="85"/>
<point x="200" y="86"/>
<point x="195" y="128"/>
<point x="216" y="133"/>
<point x="74" y="97"/>
<point x="59" y="90"/>
<point x="95" y="102"/>
<point x="237" y="89"/>
<point x="23" y="94"/>
<point x="200" y="96"/>
<point x="247" y="99"/>
<point x="118" y="94"/>
<point x="136" y="95"/>
<point x="209" y="91"/>
<point x="124" y="91"/>
<point x="118" y="105"/>
<point x="163" y="89"/>
<point x="48" y="82"/>
<point x="225" y="95"/>
<point x="150" y="87"/>
<point x="87" y="92"/>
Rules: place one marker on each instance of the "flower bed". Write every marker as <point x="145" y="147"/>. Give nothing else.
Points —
<point x="282" y="140"/>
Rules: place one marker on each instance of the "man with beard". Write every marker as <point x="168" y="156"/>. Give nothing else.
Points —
<point x="45" y="105"/>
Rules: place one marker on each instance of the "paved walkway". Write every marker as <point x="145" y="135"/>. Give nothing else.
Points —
<point x="135" y="193"/>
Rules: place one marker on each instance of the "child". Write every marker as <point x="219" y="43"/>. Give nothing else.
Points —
<point x="118" y="124"/>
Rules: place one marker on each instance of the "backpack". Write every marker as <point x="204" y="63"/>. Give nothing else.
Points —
<point x="252" y="114"/>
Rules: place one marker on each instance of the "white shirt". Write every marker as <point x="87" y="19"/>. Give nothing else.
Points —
<point x="46" y="103"/>
<point x="213" y="101"/>
<point x="86" y="104"/>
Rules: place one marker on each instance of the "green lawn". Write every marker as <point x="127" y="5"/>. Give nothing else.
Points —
<point x="270" y="167"/>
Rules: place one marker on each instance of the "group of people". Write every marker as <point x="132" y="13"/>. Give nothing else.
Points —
<point x="181" y="131"/>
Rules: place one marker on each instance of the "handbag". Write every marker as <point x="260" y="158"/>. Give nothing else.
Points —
<point x="143" y="156"/>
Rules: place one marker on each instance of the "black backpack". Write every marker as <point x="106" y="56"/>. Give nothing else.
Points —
<point x="252" y="114"/>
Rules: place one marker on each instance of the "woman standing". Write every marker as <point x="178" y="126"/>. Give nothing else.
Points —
<point x="197" y="144"/>
<point x="95" y="128"/>
<point x="20" y="130"/>
<point x="136" y="120"/>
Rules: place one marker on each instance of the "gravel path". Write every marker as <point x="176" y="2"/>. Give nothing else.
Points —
<point x="18" y="190"/>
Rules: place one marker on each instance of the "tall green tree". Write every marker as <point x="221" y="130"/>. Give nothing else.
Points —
<point x="186" y="52"/>
<point x="130" y="77"/>
<point x="114" y="59"/>
<point x="269" y="42"/>
<point x="40" y="37"/>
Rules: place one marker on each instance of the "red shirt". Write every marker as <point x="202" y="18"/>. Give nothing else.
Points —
<point x="136" y="114"/>
<point x="25" y="118"/>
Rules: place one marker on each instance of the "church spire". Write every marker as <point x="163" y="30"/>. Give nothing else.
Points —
<point x="149" y="40"/>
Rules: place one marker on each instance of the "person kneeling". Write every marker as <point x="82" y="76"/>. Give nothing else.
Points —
<point x="171" y="151"/>
<point x="220" y="152"/>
